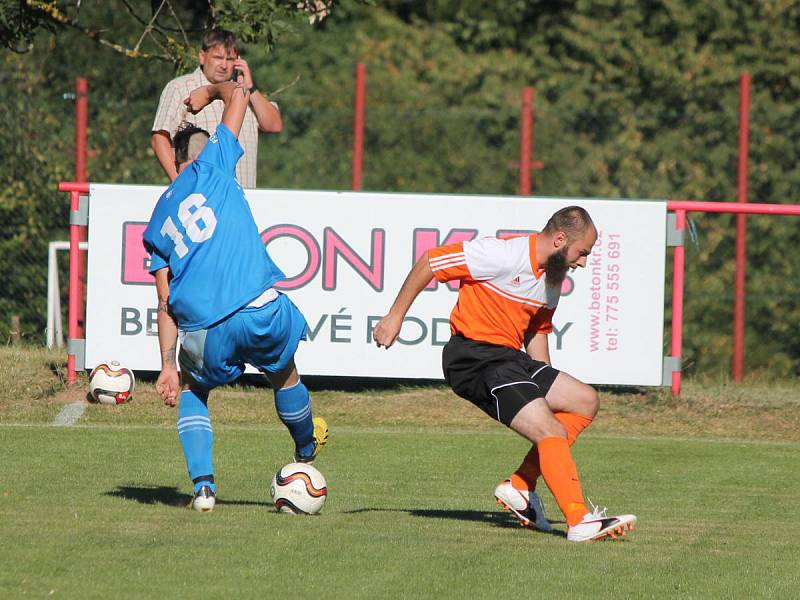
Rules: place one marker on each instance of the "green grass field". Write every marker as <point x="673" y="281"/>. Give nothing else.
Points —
<point x="97" y="509"/>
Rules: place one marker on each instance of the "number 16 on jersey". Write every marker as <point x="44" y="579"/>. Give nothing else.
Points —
<point x="191" y="221"/>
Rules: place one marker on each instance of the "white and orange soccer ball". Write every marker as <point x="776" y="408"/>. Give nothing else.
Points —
<point x="111" y="383"/>
<point x="299" y="488"/>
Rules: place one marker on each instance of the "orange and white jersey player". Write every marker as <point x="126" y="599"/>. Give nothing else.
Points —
<point x="498" y="358"/>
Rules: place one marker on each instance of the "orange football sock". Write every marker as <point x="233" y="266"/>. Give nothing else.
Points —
<point x="526" y="476"/>
<point x="573" y="423"/>
<point x="561" y="476"/>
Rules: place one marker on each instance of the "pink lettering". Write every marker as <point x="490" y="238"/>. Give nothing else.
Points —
<point x="567" y="286"/>
<point x="371" y="272"/>
<point x="135" y="259"/>
<point x="507" y="234"/>
<point x="425" y="239"/>
<point x="311" y="247"/>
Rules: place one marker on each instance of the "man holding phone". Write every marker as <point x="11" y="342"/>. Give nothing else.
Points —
<point x="220" y="61"/>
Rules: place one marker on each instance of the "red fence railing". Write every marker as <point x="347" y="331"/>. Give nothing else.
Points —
<point x="681" y="207"/>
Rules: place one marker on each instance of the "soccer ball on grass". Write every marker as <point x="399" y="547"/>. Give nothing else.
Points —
<point x="111" y="383"/>
<point x="299" y="488"/>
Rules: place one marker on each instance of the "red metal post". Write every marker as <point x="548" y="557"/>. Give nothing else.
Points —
<point x="81" y="127"/>
<point x="678" y="264"/>
<point x="75" y="287"/>
<point x="81" y="134"/>
<point x="75" y="300"/>
<point x="681" y="207"/>
<point x="525" y="141"/>
<point x="358" y="126"/>
<point x="750" y="208"/>
<point x="741" y="230"/>
<point x="526" y="163"/>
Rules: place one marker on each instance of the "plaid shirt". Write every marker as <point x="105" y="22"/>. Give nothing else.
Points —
<point x="172" y="112"/>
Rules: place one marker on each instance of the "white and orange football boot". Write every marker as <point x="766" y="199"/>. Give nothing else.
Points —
<point x="596" y="525"/>
<point x="526" y="505"/>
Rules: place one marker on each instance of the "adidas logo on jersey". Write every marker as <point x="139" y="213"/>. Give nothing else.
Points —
<point x="515" y="281"/>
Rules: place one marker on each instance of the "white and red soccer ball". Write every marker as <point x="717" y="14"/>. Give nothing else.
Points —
<point x="111" y="383"/>
<point x="299" y="488"/>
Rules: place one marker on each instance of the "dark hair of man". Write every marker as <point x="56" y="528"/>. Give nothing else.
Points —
<point x="181" y="141"/>
<point x="220" y="37"/>
<point x="572" y="220"/>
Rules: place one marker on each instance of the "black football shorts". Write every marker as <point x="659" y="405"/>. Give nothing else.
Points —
<point x="497" y="379"/>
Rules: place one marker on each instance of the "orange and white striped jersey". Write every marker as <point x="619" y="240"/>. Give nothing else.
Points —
<point x="503" y="294"/>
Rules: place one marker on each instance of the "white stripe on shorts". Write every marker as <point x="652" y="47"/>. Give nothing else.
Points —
<point x="497" y="400"/>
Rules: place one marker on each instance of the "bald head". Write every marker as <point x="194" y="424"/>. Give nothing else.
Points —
<point x="574" y="221"/>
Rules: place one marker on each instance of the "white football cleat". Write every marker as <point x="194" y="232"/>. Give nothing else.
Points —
<point x="526" y="505"/>
<point x="204" y="500"/>
<point x="596" y="525"/>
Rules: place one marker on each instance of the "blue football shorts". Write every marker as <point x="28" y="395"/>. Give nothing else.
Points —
<point x="265" y="337"/>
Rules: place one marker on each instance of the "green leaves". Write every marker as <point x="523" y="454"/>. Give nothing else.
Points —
<point x="633" y="99"/>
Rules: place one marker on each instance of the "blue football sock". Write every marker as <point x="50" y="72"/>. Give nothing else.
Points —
<point x="294" y="410"/>
<point x="197" y="438"/>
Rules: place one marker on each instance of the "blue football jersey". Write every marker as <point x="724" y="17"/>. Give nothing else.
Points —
<point x="203" y="230"/>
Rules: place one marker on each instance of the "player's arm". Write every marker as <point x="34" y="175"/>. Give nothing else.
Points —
<point x="537" y="347"/>
<point x="161" y="144"/>
<point x="388" y="328"/>
<point x="267" y="114"/>
<point x="168" y="383"/>
<point x="233" y="94"/>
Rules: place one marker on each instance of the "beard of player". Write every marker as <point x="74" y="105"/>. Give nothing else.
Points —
<point x="556" y="267"/>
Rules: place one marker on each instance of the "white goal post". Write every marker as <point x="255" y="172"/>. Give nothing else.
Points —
<point x="55" y="331"/>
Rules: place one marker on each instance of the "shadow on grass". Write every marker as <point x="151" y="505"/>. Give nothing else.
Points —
<point x="498" y="519"/>
<point x="323" y="382"/>
<point x="169" y="496"/>
<point x="624" y="390"/>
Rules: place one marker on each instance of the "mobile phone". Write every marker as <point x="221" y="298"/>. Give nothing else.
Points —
<point x="235" y="76"/>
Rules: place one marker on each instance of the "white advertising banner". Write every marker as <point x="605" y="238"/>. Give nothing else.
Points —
<point x="346" y="255"/>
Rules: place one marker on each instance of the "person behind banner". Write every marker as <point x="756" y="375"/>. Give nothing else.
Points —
<point x="220" y="60"/>
<point x="215" y="283"/>
<point x="509" y="291"/>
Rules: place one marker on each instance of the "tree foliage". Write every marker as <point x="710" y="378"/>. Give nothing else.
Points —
<point x="160" y="29"/>
<point x="633" y="100"/>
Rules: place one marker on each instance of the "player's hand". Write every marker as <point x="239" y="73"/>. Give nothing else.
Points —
<point x="198" y="99"/>
<point x="387" y="330"/>
<point x="168" y="386"/>
<point x="246" y="76"/>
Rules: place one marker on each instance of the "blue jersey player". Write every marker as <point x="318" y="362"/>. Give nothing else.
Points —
<point x="215" y="283"/>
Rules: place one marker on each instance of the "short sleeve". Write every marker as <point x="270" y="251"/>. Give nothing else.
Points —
<point x="488" y="257"/>
<point x="170" y="110"/>
<point x="448" y="262"/>
<point x="157" y="262"/>
<point x="542" y="321"/>
<point x="222" y="150"/>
